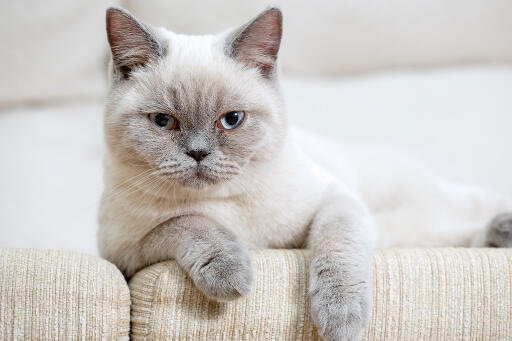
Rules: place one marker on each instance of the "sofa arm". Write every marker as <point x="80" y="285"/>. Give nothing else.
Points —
<point x="419" y="294"/>
<point x="57" y="295"/>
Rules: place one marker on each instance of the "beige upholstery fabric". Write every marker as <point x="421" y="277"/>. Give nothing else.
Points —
<point x="57" y="295"/>
<point x="420" y="294"/>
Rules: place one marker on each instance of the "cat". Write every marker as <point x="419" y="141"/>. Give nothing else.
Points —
<point x="201" y="164"/>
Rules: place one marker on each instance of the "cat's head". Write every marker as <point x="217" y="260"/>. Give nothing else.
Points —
<point x="197" y="110"/>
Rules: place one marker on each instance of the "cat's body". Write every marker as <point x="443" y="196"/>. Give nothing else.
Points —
<point x="273" y="207"/>
<point x="204" y="190"/>
<point x="412" y="207"/>
<point x="270" y="208"/>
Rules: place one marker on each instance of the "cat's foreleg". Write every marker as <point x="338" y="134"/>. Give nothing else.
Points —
<point x="340" y="238"/>
<point x="216" y="262"/>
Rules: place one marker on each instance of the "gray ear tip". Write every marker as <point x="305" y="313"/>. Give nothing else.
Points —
<point x="274" y="10"/>
<point x="114" y="10"/>
<point x="114" y="16"/>
<point x="273" y="13"/>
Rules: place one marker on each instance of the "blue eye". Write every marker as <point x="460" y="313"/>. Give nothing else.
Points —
<point x="231" y="120"/>
<point x="164" y="121"/>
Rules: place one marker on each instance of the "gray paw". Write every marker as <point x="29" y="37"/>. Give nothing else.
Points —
<point x="499" y="232"/>
<point x="224" y="274"/>
<point x="340" y="311"/>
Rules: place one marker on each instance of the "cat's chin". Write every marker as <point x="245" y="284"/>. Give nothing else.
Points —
<point x="198" y="182"/>
<point x="201" y="178"/>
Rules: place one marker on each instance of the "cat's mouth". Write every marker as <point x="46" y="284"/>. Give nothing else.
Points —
<point x="201" y="176"/>
<point x="202" y="173"/>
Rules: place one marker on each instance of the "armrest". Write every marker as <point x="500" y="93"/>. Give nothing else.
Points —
<point x="57" y="295"/>
<point x="435" y="294"/>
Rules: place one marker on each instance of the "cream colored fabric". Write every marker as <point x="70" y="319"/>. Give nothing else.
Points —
<point x="57" y="295"/>
<point x="52" y="51"/>
<point x="337" y="37"/>
<point x="419" y="294"/>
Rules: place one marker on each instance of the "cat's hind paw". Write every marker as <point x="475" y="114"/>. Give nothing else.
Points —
<point x="499" y="231"/>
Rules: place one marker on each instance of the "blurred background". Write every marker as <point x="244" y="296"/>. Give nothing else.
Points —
<point x="430" y="77"/>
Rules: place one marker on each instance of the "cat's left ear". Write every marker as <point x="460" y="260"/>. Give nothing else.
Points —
<point x="132" y="43"/>
<point x="256" y="44"/>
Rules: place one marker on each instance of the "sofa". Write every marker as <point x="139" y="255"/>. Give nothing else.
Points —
<point x="419" y="294"/>
<point x="432" y="79"/>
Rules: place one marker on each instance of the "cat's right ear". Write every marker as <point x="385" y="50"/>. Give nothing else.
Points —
<point x="256" y="44"/>
<point x="133" y="45"/>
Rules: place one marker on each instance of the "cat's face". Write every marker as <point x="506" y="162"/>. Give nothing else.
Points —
<point x="195" y="110"/>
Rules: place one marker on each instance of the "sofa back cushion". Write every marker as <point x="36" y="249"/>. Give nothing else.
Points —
<point x="337" y="37"/>
<point x="52" y="51"/>
<point x="58" y="52"/>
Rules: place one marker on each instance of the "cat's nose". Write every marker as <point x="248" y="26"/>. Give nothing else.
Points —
<point x="198" y="154"/>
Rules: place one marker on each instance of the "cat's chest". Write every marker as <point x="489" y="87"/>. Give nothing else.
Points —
<point x="258" y="222"/>
<point x="275" y="214"/>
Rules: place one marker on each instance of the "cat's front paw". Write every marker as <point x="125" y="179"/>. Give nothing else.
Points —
<point x="499" y="232"/>
<point x="224" y="274"/>
<point x="338" y="315"/>
<point x="340" y="306"/>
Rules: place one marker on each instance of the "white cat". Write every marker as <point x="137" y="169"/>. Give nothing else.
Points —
<point x="201" y="165"/>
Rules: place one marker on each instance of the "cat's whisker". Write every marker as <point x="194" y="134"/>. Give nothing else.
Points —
<point x="138" y="185"/>
<point x="146" y="196"/>
<point x="157" y="182"/>
<point x="226" y="165"/>
<point x="138" y="164"/>
<point x="133" y="178"/>
<point x="169" y="172"/>
<point x="257" y="191"/>
<point x="133" y="187"/>
<point x="114" y="190"/>
<point x="247" y="192"/>
<point x="172" y="163"/>
<point x="219" y="173"/>
<point x="174" y="193"/>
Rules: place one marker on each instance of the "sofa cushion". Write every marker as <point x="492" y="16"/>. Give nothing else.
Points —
<point x="435" y="294"/>
<point x="57" y="295"/>
<point x="54" y="52"/>
<point x="338" y="37"/>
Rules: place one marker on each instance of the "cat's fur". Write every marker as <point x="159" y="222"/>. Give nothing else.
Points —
<point x="262" y="184"/>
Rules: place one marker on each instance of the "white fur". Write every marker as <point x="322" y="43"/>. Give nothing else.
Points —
<point x="412" y="207"/>
<point x="289" y="189"/>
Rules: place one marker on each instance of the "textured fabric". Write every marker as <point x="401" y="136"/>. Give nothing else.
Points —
<point x="419" y="294"/>
<point x="56" y="295"/>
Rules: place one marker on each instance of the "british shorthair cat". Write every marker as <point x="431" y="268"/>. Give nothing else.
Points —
<point x="201" y="164"/>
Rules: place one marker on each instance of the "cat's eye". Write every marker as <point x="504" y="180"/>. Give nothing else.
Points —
<point x="231" y="120"/>
<point x="164" y="121"/>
